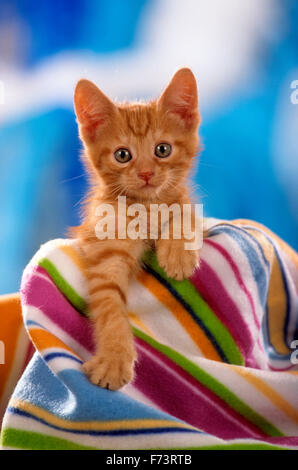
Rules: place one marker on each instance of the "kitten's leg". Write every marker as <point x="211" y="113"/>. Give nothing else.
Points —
<point x="177" y="262"/>
<point x="110" y="266"/>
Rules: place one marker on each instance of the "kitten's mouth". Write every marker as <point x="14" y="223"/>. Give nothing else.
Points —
<point x="148" y="185"/>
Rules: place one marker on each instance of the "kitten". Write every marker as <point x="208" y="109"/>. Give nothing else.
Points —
<point x="142" y="151"/>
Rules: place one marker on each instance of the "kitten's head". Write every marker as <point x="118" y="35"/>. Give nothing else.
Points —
<point x="140" y="150"/>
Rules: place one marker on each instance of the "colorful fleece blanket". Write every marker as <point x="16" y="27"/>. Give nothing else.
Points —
<point x="217" y="366"/>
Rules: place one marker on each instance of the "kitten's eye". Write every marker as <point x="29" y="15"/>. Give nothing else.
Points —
<point x="163" y="150"/>
<point x="122" y="155"/>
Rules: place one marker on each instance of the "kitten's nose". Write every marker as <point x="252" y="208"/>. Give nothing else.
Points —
<point x="145" y="175"/>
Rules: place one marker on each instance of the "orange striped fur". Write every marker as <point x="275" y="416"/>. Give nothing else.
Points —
<point x="106" y="127"/>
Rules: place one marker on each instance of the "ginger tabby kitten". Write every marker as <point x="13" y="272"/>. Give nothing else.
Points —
<point x="143" y="151"/>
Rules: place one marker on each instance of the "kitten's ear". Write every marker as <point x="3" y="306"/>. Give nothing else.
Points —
<point x="93" y="109"/>
<point x="180" y="98"/>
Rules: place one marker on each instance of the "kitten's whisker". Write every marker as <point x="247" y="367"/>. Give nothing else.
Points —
<point x="72" y="179"/>
<point x="79" y="201"/>
<point x="116" y="189"/>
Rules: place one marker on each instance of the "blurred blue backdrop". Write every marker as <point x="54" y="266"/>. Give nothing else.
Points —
<point x="245" y="57"/>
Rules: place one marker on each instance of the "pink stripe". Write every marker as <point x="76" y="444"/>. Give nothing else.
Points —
<point x="199" y="407"/>
<point x="285" y="441"/>
<point x="212" y="290"/>
<point x="275" y="369"/>
<point x="43" y="294"/>
<point x="236" y="271"/>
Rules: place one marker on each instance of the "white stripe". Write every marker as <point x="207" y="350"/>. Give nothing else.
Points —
<point x="251" y="396"/>
<point x="160" y="320"/>
<point x="59" y="364"/>
<point x="223" y="270"/>
<point x="141" y="441"/>
<point x="69" y="271"/>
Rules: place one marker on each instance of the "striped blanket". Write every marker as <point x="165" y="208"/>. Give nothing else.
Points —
<point x="216" y="359"/>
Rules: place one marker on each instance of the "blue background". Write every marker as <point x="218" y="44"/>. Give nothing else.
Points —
<point x="249" y="165"/>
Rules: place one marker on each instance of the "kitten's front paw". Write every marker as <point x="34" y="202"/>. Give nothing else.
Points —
<point x="178" y="263"/>
<point x="112" y="370"/>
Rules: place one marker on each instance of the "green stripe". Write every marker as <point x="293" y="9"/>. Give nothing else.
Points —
<point x="32" y="440"/>
<point x="261" y="446"/>
<point x="218" y="388"/>
<point x="35" y="441"/>
<point x="77" y="301"/>
<point x="185" y="289"/>
<point x="190" y="295"/>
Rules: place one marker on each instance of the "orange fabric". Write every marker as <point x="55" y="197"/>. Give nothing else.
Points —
<point x="11" y="321"/>
<point x="43" y="339"/>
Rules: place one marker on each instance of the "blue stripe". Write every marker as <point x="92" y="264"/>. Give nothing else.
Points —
<point x="285" y="283"/>
<point x="240" y="235"/>
<point x="115" y="432"/>
<point x="272" y="353"/>
<point x="243" y="231"/>
<point x="79" y="399"/>
<point x="32" y="322"/>
<point x="245" y="241"/>
<point x="50" y="356"/>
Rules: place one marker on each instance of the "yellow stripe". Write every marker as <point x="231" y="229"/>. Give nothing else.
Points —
<point x="276" y="297"/>
<point x="267" y="247"/>
<point x="138" y="322"/>
<point x="96" y="425"/>
<point x="277" y="309"/>
<point x="268" y="392"/>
